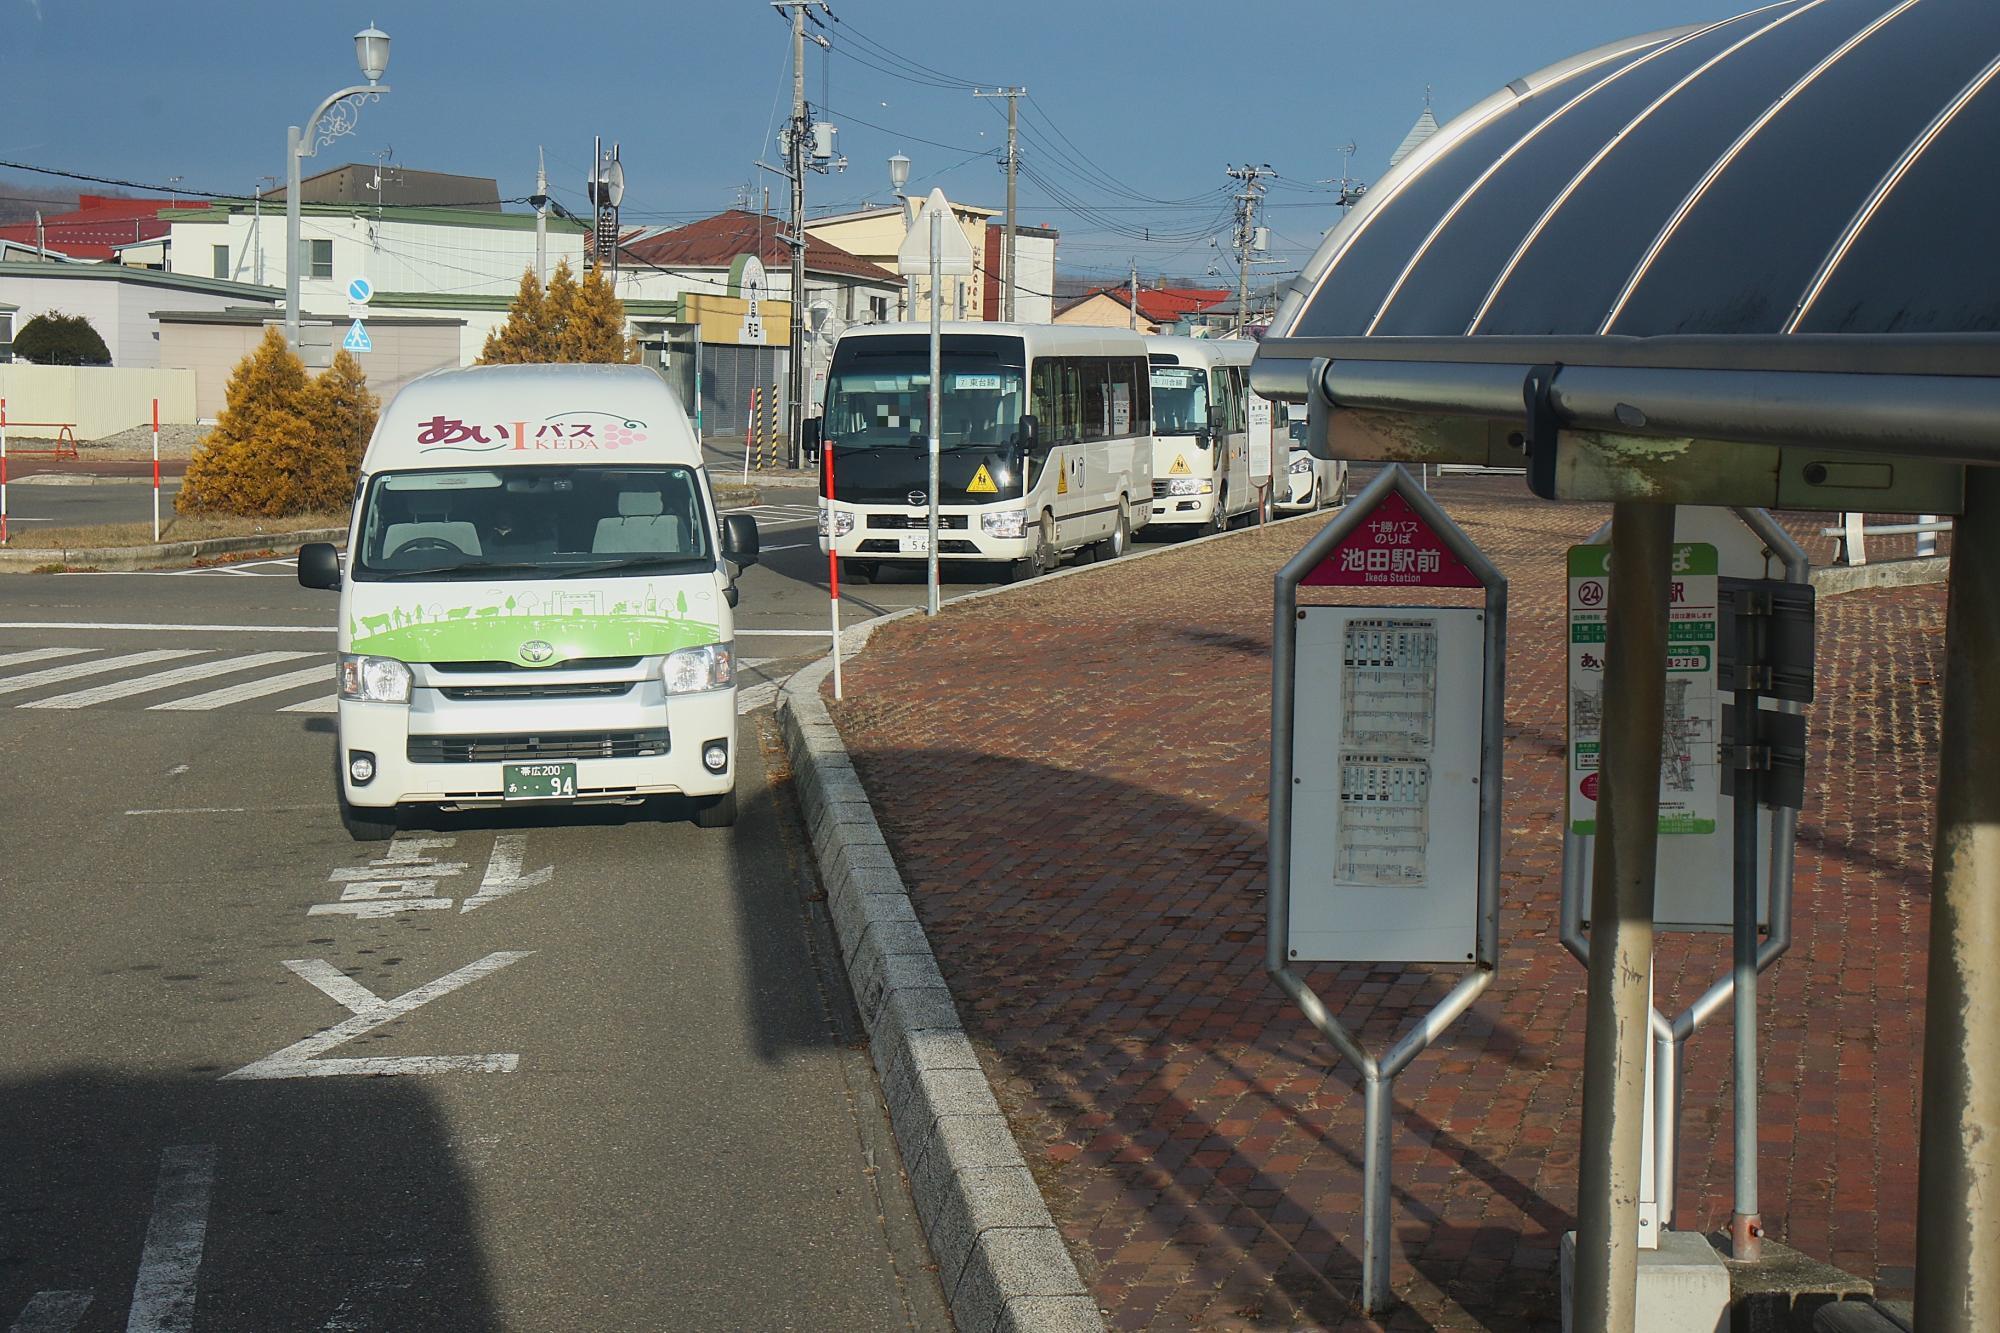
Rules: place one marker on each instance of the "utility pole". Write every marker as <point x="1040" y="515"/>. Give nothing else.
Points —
<point x="1248" y="199"/>
<point x="541" y="203"/>
<point x="1132" y="313"/>
<point x="1007" y="282"/>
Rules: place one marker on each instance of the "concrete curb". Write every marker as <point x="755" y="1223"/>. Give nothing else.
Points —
<point x="27" y="559"/>
<point x="1001" y="1262"/>
<point x="1832" y="580"/>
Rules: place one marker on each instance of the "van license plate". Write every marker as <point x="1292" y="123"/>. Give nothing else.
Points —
<point x="537" y="782"/>
<point x="917" y="543"/>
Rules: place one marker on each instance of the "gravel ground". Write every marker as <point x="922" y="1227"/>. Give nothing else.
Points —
<point x="175" y="442"/>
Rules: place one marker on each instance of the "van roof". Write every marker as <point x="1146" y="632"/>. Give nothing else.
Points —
<point x="501" y="416"/>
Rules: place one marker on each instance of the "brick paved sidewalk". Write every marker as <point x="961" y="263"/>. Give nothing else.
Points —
<point x="1072" y="777"/>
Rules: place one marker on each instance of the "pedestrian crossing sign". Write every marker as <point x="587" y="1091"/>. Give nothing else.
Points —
<point x="1180" y="467"/>
<point x="357" y="339"/>
<point x="982" y="482"/>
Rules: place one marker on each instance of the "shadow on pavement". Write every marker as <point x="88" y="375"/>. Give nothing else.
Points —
<point x="1199" y="1145"/>
<point x="333" y="1202"/>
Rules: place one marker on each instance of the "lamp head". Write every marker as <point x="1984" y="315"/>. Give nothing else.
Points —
<point x="899" y="172"/>
<point x="371" y="52"/>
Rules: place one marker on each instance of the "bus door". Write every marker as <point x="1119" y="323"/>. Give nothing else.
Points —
<point x="1232" y="465"/>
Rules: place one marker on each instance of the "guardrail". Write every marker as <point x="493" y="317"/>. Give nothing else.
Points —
<point x="1853" y="533"/>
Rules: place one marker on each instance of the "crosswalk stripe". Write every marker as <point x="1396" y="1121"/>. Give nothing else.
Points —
<point x="324" y="704"/>
<point x="38" y="655"/>
<point x="252" y="689"/>
<point x="94" y="667"/>
<point x="159" y="680"/>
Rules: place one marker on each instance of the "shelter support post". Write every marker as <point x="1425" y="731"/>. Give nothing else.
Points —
<point x="1958" y="1179"/>
<point x="1619" y="1006"/>
<point x="1746" y="1222"/>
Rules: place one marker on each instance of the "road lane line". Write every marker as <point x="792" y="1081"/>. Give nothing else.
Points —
<point x="324" y="704"/>
<point x="163" y="1296"/>
<point x="96" y="666"/>
<point x="253" y="689"/>
<point x="178" y="629"/>
<point x="160" y="680"/>
<point x="52" y="1312"/>
<point x="38" y="655"/>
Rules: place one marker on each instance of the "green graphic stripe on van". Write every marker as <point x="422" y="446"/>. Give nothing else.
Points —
<point x="489" y="637"/>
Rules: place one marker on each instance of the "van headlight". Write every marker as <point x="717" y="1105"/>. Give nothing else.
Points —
<point x="692" y="670"/>
<point x="381" y="680"/>
<point x="1008" y="524"/>
<point x="1189" y="485"/>
<point x="843" y="521"/>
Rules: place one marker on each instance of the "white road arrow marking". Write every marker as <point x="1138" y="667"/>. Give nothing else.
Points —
<point x="371" y="1011"/>
<point x="52" y="1312"/>
<point x="163" y="1296"/>
<point x="504" y="874"/>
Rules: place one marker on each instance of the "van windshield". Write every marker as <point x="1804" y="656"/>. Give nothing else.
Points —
<point x="532" y="522"/>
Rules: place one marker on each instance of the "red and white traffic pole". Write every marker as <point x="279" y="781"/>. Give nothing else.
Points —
<point x="832" y="562"/>
<point x="156" y="469"/>
<point x="3" y="471"/>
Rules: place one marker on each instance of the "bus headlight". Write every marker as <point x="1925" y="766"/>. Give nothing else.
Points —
<point x="381" y="680"/>
<point x="843" y="521"/>
<point x="692" y="670"/>
<point x="1189" y="486"/>
<point x="1007" y="524"/>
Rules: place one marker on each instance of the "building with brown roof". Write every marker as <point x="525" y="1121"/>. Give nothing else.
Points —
<point x="1160" y="309"/>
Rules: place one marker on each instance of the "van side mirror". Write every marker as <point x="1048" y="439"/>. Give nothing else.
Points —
<point x="739" y="539"/>
<point x="319" y="566"/>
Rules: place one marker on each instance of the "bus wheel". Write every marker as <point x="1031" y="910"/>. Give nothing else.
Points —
<point x="860" y="571"/>
<point x="1121" y="536"/>
<point x="1218" y="520"/>
<point x="1047" y="557"/>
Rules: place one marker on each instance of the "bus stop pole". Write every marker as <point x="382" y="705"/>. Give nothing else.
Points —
<point x="1958" y="1175"/>
<point x="937" y="347"/>
<point x="1619" y="1006"/>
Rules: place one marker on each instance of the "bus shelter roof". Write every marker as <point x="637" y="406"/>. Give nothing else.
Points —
<point x="1700" y="216"/>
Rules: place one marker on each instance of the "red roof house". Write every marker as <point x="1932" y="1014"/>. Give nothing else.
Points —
<point x="1159" y="307"/>
<point x="95" y="225"/>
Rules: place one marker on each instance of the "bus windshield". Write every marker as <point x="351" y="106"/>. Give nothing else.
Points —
<point x="532" y="522"/>
<point x="878" y="394"/>
<point x="1180" y="399"/>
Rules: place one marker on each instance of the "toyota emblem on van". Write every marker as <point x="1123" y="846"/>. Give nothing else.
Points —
<point x="537" y="651"/>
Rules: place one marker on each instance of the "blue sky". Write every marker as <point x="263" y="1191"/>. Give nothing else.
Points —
<point x="1134" y="109"/>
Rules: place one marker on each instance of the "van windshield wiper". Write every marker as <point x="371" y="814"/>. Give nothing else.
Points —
<point x="453" y="571"/>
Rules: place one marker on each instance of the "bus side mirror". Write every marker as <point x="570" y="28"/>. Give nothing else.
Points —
<point x="739" y="539"/>
<point x="1029" y="430"/>
<point x="319" y="566"/>
<point x="810" y="434"/>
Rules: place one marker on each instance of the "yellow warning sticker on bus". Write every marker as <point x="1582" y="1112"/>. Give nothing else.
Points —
<point x="1062" y="481"/>
<point x="982" y="481"/>
<point x="1180" y="467"/>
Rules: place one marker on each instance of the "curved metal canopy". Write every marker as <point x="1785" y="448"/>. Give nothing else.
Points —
<point x="1812" y="166"/>
<point x="1806" y="187"/>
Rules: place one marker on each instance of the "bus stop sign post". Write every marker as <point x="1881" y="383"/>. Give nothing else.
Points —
<point x="1386" y="787"/>
<point x="1763" y="637"/>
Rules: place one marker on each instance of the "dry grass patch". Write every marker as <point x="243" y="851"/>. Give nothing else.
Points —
<point x="178" y="528"/>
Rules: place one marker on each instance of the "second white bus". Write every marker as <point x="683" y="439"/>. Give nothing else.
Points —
<point x="1212" y="436"/>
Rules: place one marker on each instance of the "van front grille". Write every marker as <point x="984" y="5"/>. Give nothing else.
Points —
<point x="553" y="689"/>
<point x="529" y="748"/>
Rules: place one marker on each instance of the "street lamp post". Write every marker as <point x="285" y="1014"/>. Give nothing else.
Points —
<point x="342" y="112"/>
<point x="899" y="176"/>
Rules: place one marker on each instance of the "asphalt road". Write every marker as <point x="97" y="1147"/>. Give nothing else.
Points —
<point x="35" y="500"/>
<point x="635" y="1094"/>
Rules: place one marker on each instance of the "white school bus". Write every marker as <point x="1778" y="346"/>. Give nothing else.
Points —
<point x="1045" y="445"/>
<point x="1211" y="436"/>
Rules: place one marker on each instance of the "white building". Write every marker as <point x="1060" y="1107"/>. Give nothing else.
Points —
<point x="120" y="302"/>
<point x="418" y="259"/>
